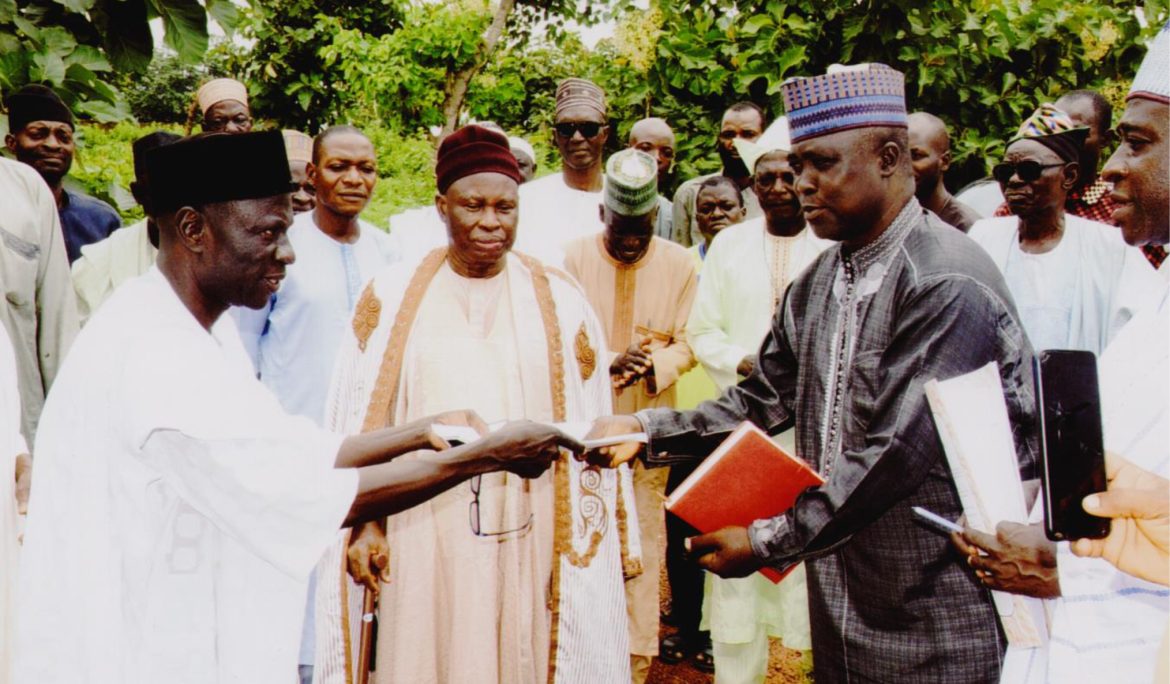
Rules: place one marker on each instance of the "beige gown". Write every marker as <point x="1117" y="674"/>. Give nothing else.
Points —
<point x="651" y="298"/>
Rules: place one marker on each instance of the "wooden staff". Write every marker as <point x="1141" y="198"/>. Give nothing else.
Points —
<point x="366" y="642"/>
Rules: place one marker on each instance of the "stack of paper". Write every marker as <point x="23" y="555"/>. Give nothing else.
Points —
<point x="972" y="420"/>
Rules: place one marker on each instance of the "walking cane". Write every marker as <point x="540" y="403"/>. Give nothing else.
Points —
<point x="366" y="642"/>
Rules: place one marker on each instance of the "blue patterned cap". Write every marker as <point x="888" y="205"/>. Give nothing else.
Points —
<point x="856" y="96"/>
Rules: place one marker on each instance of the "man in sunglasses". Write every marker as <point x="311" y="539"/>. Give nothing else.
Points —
<point x="741" y="121"/>
<point x="1091" y="197"/>
<point x="1074" y="281"/>
<point x="562" y="207"/>
<point x="1106" y="625"/>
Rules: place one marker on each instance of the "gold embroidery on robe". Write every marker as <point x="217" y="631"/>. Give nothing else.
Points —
<point x="366" y="315"/>
<point x="586" y="357"/>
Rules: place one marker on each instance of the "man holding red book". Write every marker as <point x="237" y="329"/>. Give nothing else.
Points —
<point x="900" y="300"/>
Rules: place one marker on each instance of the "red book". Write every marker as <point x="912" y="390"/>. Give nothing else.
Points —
<point x="747" y="478"/>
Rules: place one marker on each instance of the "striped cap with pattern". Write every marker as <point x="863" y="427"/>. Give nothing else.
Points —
<point x="1054" y="129"/>
<point x="631" y="183"/>
<point x="847" y="97"/>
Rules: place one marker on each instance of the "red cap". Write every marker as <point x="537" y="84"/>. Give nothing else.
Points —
<point x="474" y="149"/>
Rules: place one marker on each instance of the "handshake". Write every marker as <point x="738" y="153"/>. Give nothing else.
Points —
<point x="528" y="448"/>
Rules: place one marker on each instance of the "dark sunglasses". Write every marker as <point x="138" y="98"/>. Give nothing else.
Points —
<point x="588" y="129"/>
<point x="1027" y="170"/>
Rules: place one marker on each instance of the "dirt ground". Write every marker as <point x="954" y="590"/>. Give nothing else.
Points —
<point x="785" y="666"/>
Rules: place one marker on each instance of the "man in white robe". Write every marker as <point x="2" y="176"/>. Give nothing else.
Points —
<point x="14" y="467"/>
<point x="294" y="338"/>
<point x="129" y="251"/>
<point x="561" y="207"/>
<point x="505" y="580"/>
<point x="1074" y="281"/>
<point x="747" y="270"/>
<point x="1107" y="625"/>
<point x="176" y="509"/>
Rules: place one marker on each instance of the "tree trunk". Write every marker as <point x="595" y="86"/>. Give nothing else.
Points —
<point x="455" y="92"/>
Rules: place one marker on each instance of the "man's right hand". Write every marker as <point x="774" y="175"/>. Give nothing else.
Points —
<point x="525" y="447"/>
<point x="368" y="556"/>
<point x="746" y="365"/>
<point x="613" y="456"/>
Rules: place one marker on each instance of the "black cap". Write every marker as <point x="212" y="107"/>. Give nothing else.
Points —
<point x="218" y="167"/>
<point x="146" y="143"/>
<point x="35" y="103"/>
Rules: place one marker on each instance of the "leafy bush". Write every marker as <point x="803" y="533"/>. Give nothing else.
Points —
<point x="104" y="167"/>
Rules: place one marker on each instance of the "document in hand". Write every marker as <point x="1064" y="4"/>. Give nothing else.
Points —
<point x="747" y="478"/>
<point x="972" y="421"/>
<point x="462" y="434"/>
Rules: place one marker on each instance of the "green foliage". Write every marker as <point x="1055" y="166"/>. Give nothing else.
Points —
<point x="163" y="93"/>
<point x="288" y="78"/>
<point x="981" y="65"/>
<point x="400" y="78"/>
<point x="104" y="168"/>
<point x="75" y="46"/>
<point x="517" y="88"/>
<point x="406" y="176"/>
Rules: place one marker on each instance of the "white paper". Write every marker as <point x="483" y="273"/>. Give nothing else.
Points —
<point x="463" y="434"/>
<point x="972" y="420"/>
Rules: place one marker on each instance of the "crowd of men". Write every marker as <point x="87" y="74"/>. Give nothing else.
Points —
<point x="260" y="425"/>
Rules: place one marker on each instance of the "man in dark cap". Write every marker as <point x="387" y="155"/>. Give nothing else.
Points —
<point x="38" y="308"/>
<point x="1074" y="281"/>
<point x="40" y="134"/>
<point x="900" y="300"/>
<point x="1106" y="625"/>
<point x="197" y="504"/>
<point x="128" y="252"/>
<point x="504" y="579"/>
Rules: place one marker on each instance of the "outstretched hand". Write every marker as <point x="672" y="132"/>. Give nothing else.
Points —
<point x="613" y="456"/>
<point x="726" y="552"/>
<point x="525" y="447"/>
<point x="464" y="417"/>
<point x="1138" y="542"/>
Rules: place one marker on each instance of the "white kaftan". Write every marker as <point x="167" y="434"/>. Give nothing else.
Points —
<point x="1079" y="294"/>
<point x="734" y="304"/>
<point x="294" y="340"/>
<point x="744" y="277"/>
<point x="474" y="576"/>
<point x="552" y="215"/>
<point x="11" y="445"/>
<point x="176" y="509"/>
